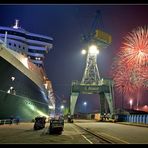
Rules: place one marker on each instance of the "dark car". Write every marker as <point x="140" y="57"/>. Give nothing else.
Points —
<point x="56" y="125"/>
<point x="39" y="123"/>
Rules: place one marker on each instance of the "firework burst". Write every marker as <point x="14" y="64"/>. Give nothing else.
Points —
<point x="130" y="67"/>
<point x="123" y="81"/>
<point x="135" y="47"/>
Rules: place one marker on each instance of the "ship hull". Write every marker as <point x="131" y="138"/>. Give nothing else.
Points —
<point x="28" y="101"/>
<point x="22" y="107"/>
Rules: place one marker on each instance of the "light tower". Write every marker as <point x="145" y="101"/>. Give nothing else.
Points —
<point x="91" y="82"/>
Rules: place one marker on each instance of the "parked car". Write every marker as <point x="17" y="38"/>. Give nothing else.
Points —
<point x="39" y="123"/>
<point x="56" y="125"/>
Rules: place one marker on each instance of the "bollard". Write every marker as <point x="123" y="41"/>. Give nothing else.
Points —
<point x="138" y="117"/>
<point x="127" y="118"/>
<point x="146" y="119"/>
<point x="130" y="118"/>
<point x="135" y="118"/>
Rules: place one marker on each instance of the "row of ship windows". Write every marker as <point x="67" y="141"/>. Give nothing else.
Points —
<point x="35" y="58"/>
<point x="29" y="44"/>
<point x="29" y="50"/>
<point x="16" y="45"/>
<point x="39" y="65"/>
<point x="25" y="36"/>
<point x="36" y="51"/>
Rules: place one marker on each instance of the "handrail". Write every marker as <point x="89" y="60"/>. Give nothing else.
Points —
<point x="6" y="121"/>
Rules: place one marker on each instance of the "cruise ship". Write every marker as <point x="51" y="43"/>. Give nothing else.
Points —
<point x="25" y="90"/>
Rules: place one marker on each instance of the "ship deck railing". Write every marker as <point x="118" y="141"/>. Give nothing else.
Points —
<point x="7" y="121"/>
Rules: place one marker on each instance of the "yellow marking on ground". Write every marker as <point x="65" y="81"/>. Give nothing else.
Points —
<point x="86" y="139"/>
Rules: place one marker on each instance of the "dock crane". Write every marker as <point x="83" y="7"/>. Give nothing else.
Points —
<point x="91" y="82"/>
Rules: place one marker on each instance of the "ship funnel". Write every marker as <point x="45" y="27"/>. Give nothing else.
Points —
<point x="16" y="24"/>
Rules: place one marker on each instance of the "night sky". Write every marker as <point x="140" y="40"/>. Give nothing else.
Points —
<point x="65" y="24"/>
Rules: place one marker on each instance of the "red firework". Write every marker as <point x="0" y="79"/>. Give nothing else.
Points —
<point x="135" y="47"/>
<point x="123" y="81"/>
<point x="130" y="67"/>
<point x="144" y="76"/>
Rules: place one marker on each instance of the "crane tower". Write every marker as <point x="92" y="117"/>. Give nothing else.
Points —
<point x="91" y="82"/>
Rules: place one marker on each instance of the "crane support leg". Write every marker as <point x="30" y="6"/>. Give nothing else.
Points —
<point x="73" y="100"/>
<point x="102" y="103"/>
<point x="110" y="102"/>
